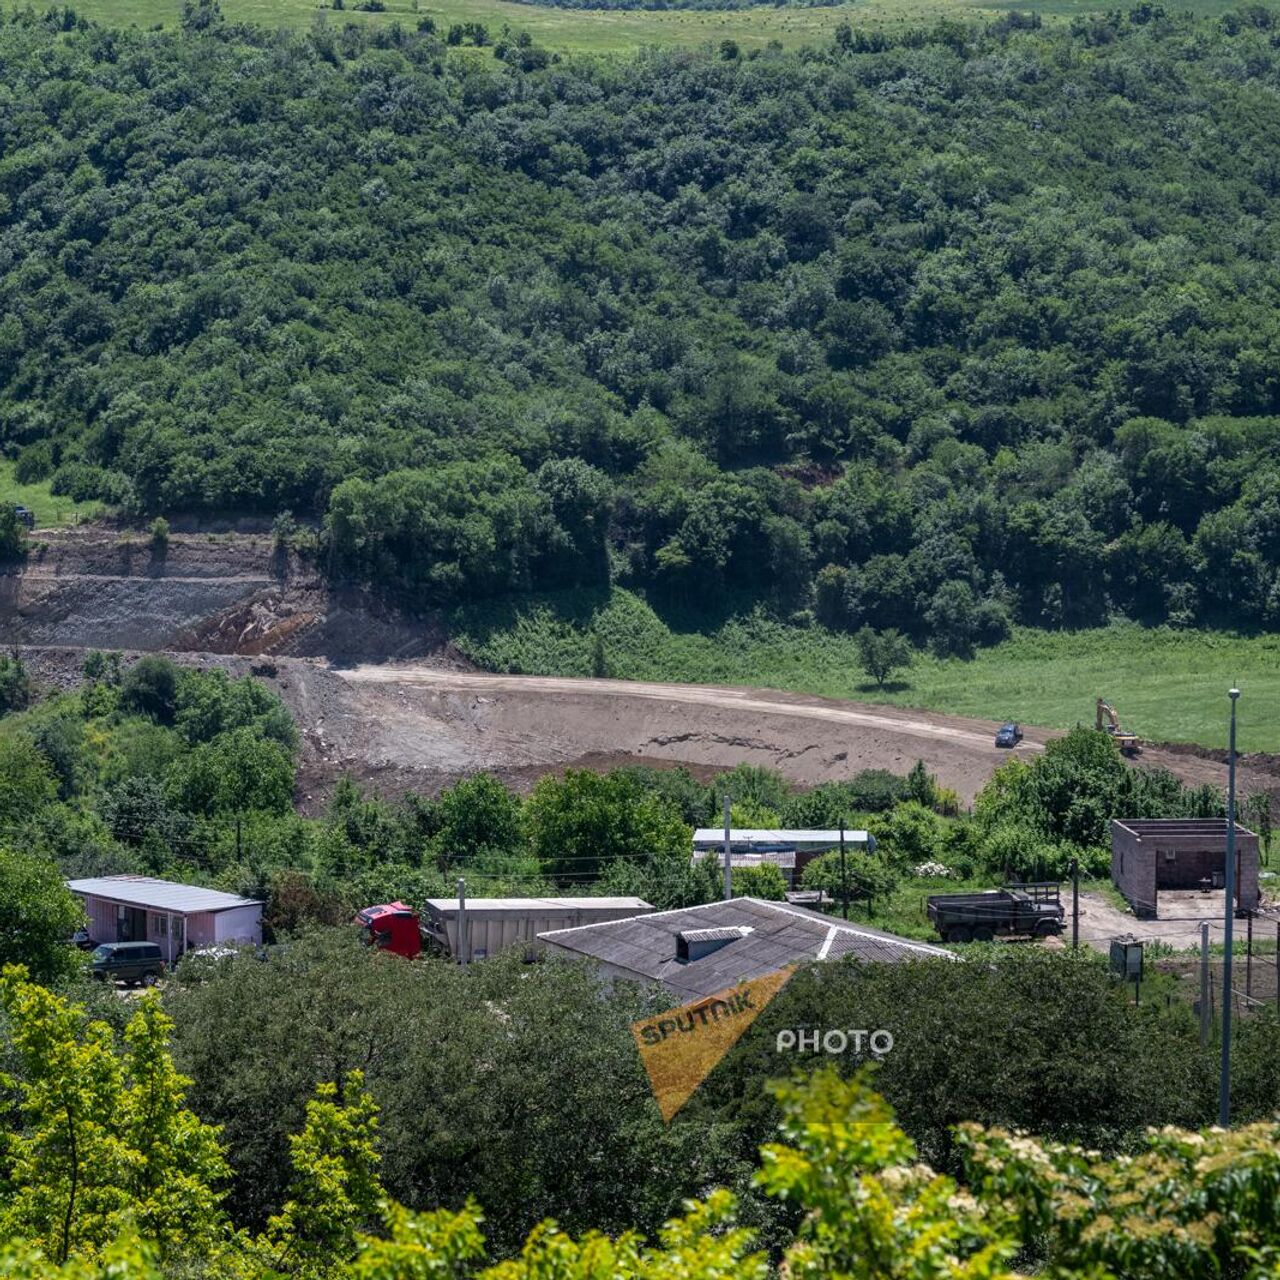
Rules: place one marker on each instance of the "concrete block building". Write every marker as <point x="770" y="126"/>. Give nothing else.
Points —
<point x="1150" y="854"/>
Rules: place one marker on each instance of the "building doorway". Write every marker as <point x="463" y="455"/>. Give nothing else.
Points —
<point x="131" y="924"/>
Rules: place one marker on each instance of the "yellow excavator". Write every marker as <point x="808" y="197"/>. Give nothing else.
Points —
<point x="1109" y="722"/>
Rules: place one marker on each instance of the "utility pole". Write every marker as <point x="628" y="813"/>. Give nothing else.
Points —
<point x="463" y="948"/>
<point x="844" y="879"/>
<point x="1224" y="1082"/>
<point x="728" y="841"/>
<point x="1204" y="984"/>
<point x="1248" y="958"/>
<point x="1075" y="904"/>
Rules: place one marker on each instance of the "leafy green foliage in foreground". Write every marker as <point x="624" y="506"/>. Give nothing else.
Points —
<point x="561" y="1093"/>
<point x="868" y="1207"/>
<point x="879" y="329"/>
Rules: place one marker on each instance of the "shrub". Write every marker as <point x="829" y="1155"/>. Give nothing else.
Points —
<point x="150" y="688"/>
<point x="15" y="684"/>
<point x="882" y="653"/>
<point x="13" y="534"/>
<point x="765" y="881"/>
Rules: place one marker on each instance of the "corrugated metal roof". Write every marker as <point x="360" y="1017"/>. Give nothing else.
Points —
<point x="780" y="934"/>
<point x="770" y="835"/>
<point x="159" y="895"/>
<point x="540" y="905"/>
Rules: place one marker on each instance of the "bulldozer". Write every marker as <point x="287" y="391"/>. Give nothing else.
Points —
<point x="1109" y="722"/>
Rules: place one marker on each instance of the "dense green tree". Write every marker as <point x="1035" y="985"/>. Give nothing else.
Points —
<point x="26" y="780"/>
<point x="106" y="1141"/>
<point x="655" y="346"/>
<point x="13" y="534"/>
<point x="476" y="815"/>
<point x="859" y="877"/>
<point x="559" y="1096"/>
<point x="1077" y="784"/>
<point x="577" y="826"/>
<point x="150" y="688"/>
<point x="38" y="915"/>
<point x="237" y="772"/>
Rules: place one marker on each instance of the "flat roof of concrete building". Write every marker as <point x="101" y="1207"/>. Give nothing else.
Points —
<point x="1179" y="826"/>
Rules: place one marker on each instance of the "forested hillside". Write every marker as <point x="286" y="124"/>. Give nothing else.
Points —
<point x="976" y="328"/>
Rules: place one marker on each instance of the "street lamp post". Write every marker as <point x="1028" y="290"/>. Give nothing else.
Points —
<point x="1224" y="1082"/>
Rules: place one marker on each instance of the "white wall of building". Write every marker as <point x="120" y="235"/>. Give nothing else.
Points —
<point x="239" y="924"/>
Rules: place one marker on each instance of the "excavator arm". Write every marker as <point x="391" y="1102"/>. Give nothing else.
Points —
<point x="1109" y="721"/>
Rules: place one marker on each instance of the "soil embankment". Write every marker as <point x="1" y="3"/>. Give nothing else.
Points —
<point x="94" y="587"/>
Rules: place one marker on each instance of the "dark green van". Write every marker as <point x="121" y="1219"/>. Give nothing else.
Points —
<point x="128" y="962"/>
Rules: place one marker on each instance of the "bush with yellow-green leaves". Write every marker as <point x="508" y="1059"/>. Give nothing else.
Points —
<point x="107" y="1176"/>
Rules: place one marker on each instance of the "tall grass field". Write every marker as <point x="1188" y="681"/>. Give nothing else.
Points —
<point x="1167" y="685"/>
<point x="614" y="30"/>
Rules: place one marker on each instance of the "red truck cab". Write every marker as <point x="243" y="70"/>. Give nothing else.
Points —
<point x="392" y="927"/>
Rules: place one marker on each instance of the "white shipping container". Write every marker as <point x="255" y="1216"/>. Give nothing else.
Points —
<point x="494" y="924"/>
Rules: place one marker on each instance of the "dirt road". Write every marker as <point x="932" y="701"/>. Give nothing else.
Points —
<point x="515" y="722"/>
<point x="972" y="733"/>
<point x="418" y="716"/>
<point x="410" y="726"/>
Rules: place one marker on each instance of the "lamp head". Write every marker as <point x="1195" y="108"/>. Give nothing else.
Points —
<point x="1233" y="693"/>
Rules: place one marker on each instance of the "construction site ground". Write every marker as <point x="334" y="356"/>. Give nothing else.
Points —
<point x="385" y="699"/>
<point x="1177" y="924"/>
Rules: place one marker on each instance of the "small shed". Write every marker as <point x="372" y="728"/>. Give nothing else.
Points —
<point x="1150" y="854"/>
<point x="490" y="925"/>
<point x="176" y="916"/>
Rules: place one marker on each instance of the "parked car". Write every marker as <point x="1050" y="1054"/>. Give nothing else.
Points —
<point x="82" y="941"/>
<point x="25" y="515"/>
<point x="131" y="962"/>
<point x="1008" y="735"/>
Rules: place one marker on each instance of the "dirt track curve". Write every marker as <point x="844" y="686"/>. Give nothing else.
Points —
<point x="519" y="723"/>
<point x="419" y="717"/>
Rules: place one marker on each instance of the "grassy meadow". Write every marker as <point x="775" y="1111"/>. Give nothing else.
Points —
<point x="615" y="31"/>
<point x="49" y="508"/>
<point x="1166" y="685"/>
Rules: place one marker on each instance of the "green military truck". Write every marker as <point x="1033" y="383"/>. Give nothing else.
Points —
<point x="1031" y="910"/>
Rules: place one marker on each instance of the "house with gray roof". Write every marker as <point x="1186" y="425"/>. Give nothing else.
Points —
<point x="697" y="951"/>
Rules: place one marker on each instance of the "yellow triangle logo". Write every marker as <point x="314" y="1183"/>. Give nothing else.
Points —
<point x="681" y="1047"/>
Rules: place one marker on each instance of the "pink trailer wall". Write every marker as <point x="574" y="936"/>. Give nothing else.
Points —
<point x="201" y="928"/>
<point x="101" y="919"/>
